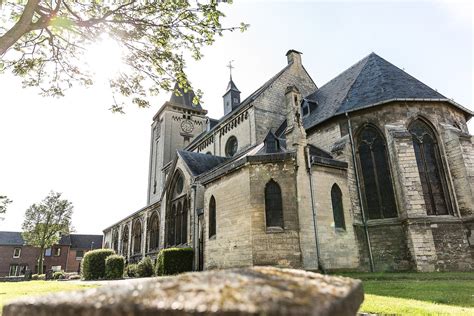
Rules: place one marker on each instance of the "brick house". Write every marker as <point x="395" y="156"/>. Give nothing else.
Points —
<point x="16" y="257"/>
<point x="373" y="170"/>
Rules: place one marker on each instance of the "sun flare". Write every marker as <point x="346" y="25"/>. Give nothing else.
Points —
<point x="105" y="57"/>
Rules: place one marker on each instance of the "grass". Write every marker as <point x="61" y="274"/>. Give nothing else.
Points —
<point x="417" y="293"/>
<point x="12" y="290"/>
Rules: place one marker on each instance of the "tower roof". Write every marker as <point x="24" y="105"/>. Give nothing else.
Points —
<point x="231" y="86"/>
<point x="369" y="82"/>
<point x="185" y="99"/>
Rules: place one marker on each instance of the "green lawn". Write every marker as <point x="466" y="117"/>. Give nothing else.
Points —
<point x="418" y="293"/>
<point x="12" y="290"/>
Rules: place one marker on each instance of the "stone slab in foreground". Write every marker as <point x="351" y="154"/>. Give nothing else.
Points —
<point x="249" y="291"/>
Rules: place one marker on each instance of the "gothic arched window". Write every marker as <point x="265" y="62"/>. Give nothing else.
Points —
<point x="378" y="196"/>
<point x="273" y="205"/>
<point x="337" y="207"/>
<point x="125" y="241"/>
<point x="115" y="240"/>
<point x="175" y="221"/>
<point x="212" y="217"/>
<point x="179" y="217"/>
<point x="184" y="223"/>
<point x="154" y="230"/>
<point x="430" y="168"/>
<point x="137" y="236"/>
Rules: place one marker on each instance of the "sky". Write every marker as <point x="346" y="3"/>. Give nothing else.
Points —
<point x="99" y="160"/>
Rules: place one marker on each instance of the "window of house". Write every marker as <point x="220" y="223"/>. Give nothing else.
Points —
<point x="79" y="254"/>
<point x="376" y="179"/>
<point x="16" y="252"/>
<point x="337" y="207"/>
<point x="212" y="217"/>
<point x="430" y="168"/>
<point x="154" y="228"/>
<point x="273" y="205"/>
<point x="231" y="146"/>
<point x="56" y="268"/>
<point x="47" y="252"/>
<point x="57" y="251"/>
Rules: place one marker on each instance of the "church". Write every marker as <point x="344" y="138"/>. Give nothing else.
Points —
<point x="373" y="171"/>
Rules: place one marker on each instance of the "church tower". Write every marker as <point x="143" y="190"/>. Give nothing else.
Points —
<point x="175" y="125"/>
<point x="232" y="95"/>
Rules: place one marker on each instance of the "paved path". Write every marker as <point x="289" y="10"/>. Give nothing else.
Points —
<point x="108" y="282"/>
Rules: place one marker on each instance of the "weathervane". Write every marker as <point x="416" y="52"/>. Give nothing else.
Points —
<point x="230" y="68"/>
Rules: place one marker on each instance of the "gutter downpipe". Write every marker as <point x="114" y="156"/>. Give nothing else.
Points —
<point x="193" y="187"/>
<point x="313" y="209"/>
<point x="359" y="193"/>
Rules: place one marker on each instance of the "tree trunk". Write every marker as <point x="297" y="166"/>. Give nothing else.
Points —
<point x="40" y="261"/>
<point x="20" y="28"/>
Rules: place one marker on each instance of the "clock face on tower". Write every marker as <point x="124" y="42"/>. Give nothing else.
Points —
<point x="187" y="126"/>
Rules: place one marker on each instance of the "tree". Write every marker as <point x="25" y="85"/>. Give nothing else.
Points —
<point x="4" y="201"/>
<point x="45" y="222"/>
<point x="44" y="42"/>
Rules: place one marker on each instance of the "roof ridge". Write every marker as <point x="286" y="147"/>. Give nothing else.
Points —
<point x="364" y="60"/>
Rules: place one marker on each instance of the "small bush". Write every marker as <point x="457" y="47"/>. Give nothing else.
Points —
<point x="59" y="275"/>
<point x="93" y="264"/>
<point x="114" y="266"/>
<point x="34" y="277"/>
<point x="145" y="268"/>
<point x="42" y="277"/>
<point x="174" y="260"/>
<point x="132" y="270"/>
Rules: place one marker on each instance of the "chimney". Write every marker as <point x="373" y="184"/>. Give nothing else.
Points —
<point x="294" y="56"/>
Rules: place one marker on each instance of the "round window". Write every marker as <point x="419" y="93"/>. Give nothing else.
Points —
<point x="179" y="184"/>
<point x="231" y="146"/>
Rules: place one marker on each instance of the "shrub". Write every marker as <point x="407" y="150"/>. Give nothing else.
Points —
<point x="132" y="270"/>
<point x="145" y="268"/>
<point x="114" y="265"/>
<point x="34" y="277"/>
<point x="93" y="264"/>
<point x="174" y="260"/>
<point x="59" y="275"/>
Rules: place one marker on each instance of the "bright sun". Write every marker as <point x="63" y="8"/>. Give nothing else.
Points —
<point x="104" y="57"/>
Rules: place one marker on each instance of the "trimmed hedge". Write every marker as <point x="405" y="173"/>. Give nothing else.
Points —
<point x="145" y="268"/>
<point x="174" y="260"/>
<point x="132" y="270"/>
<point x="114" y="266"/>
<point x="93" y="264"/>
<point x="59" y="275"/>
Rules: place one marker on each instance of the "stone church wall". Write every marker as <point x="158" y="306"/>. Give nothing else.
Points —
<point x="410" y="245"/>
<point x="270" y="106"/>
<point x="274" y="246"/>
<point x="232" y="244"/>
<point x="338" y="247"/>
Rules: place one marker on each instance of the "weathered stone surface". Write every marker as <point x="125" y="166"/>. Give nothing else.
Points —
<point x="251" y="291"/>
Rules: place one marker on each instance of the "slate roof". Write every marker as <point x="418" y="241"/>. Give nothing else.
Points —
<point x="15" y="239"/>
<point x="231" y="86"/>
<point x="85" y="241"/>
<point x="11" y="238"/>
<point x="371" y="81"/>
<point x="185" y="99"/>
<point x="199" y="163"/>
